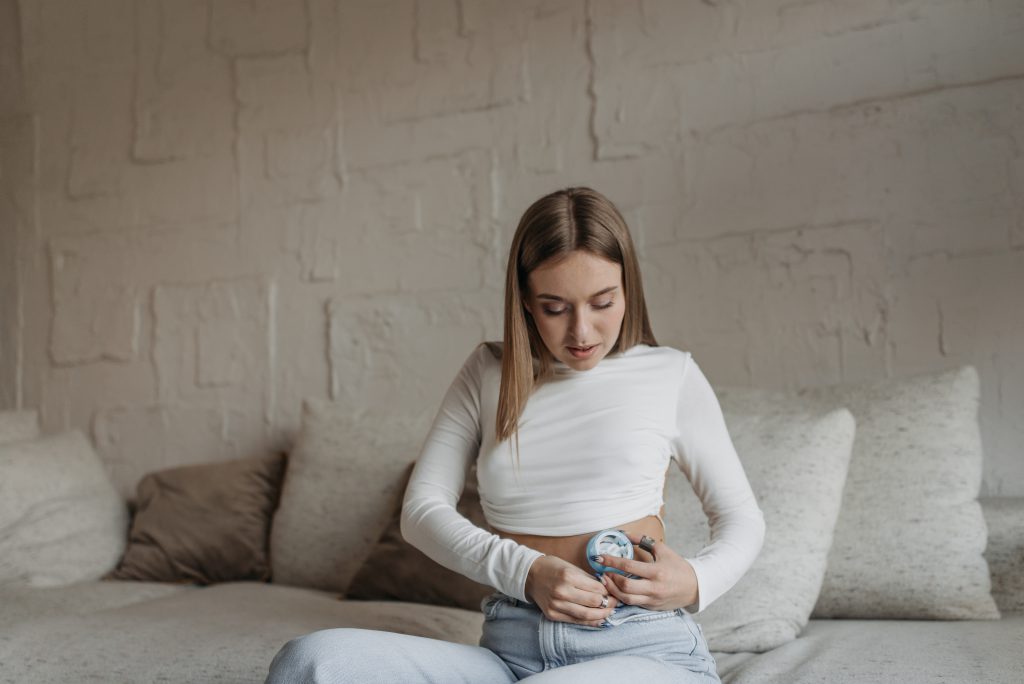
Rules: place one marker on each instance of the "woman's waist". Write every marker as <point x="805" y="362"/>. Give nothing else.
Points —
<point x="573" y="548"/>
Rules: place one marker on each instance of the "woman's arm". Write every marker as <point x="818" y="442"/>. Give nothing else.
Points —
<point x="708" y="458"/>
<point x="430" y="521"/>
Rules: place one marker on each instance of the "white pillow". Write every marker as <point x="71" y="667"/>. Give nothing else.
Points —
<point x="61" y="520"/>
<point x="796" y="462"/>
<point x="16" y="426"/>
<point x="911" y="534"/>
<point x="343" y="481"/>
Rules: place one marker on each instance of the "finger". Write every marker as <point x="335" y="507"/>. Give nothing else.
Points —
<point x="587" y="599"/>
<point x="578" y="613"/>
<point x="622" y="593"/>
<point x="657" y="548"/>
<point x="633" y="567"/>
<point x="585" y="581"/>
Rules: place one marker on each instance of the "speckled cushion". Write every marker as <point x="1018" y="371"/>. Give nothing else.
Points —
<point x="796" y="463"/>
<point x="343" y="479"/>
<point x="16" y="426"/>
<point x="61" y="520"/>
<point x="910" y="535"/>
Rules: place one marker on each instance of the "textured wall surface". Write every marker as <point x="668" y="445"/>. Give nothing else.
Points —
<point x="222" y="207"/>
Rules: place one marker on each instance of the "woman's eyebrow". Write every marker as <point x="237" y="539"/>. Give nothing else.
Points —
<point x="557" y="298"/>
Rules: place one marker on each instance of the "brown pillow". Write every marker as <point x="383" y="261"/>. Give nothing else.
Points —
<point x="398" y="571"/>
<point x="203" y="523"/>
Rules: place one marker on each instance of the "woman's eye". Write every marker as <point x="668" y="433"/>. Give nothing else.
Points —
<point x="554" y="312"/>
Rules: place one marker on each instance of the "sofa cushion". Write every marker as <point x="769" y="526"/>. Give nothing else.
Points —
<point x="796" y="461"/>
<point x="19" y="603"/>
<point x="224" y="632"/>
<point x="905" y="651"/>
<point x="910" y="535"/>
<point x="398" y="571"/>
<point x="16" y="426"/>
<point x="343" y="479"/>
<point x="61" y="520"/>
<point x="1004" y="517"/>
<point x="204" y="523"/>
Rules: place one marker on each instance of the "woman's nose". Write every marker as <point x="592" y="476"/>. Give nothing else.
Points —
<point x="581" y="329"/>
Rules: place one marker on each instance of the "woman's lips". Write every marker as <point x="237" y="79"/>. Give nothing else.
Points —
<point x="584" y="353"/>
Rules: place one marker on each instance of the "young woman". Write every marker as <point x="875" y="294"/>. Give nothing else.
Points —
<point x="572" y="421"/>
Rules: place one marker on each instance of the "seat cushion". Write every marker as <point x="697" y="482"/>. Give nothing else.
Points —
<point x="225" y="633"/>
<point x="905" y="651"/>
<point x="19" y="603"/>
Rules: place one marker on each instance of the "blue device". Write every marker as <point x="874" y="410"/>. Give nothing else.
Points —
<point x="609" y="543"/>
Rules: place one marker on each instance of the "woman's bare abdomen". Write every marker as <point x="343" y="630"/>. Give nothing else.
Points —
<point x="573" y="548"/>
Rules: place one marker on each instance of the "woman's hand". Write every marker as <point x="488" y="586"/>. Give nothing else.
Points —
<point x="666" y="583"/>
<point x="565" y="593"/>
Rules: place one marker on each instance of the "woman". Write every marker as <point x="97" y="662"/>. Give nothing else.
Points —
<point x="572" y="422"/>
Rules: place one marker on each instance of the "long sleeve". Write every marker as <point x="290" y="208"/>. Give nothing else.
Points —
<point x="430" y="521"/>
<point x="709" y="460"/>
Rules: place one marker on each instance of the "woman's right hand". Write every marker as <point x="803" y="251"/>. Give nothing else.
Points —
<point x="565" y="593"/>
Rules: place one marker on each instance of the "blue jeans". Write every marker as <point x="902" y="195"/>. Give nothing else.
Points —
<point x="518" y="641"/>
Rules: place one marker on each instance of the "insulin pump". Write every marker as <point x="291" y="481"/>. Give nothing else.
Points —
<point x="609" y="543"/>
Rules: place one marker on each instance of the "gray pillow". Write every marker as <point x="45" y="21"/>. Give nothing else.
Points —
<point x="343" y="480"/>
<point x="796" y="461"/>
<point x="61" y="520"/>
<point x="911" y="534"/>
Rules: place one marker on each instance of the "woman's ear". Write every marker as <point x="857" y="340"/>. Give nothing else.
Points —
<point x="527" y="308"/>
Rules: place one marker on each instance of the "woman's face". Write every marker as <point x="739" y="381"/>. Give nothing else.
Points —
<point x="577" y="302"/>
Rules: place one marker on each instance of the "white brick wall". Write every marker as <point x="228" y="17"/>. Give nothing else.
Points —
<point x="233" y="205"/>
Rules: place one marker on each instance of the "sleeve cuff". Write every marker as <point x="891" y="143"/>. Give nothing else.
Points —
<point x="520" y="590"/>
<point x="702" y="589"/>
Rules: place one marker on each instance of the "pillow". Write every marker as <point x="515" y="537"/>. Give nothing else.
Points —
<point x="911" y="534"/>
<point x="398" y="571"/>
<point x="796" y="461"/>
<point x="61" y="520"/>
<point x="203" y="523"/>
<point x="344" y="477"/>
<point x="16" y="426"/>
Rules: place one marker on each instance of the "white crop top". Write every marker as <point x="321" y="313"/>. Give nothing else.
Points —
<point x="594" y="446"/>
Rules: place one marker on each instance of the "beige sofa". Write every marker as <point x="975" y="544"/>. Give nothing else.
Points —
<point x="117" y="631"/>
<point x="124" y="631"/>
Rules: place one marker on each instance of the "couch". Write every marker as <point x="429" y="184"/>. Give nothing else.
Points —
<point x="110" y="630"/>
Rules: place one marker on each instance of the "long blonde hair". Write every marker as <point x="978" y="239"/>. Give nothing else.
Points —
<point x="576" y="218"/>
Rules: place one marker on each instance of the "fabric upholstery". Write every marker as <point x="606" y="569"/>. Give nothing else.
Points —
<point x="344" y="477"/>
<point x="16" y="426"/>
<point x="220" y="633"/>
<point x="796" y="461"/>
<point x="904" y="651"/>
<point x="204" y="523"/>
<point x="61" y="520"/>
<point x="21" y="602"/>
<point x="910" y="535"/>
<point x="230" y="632"/>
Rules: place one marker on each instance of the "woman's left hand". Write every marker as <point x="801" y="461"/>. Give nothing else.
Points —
<point x="666" y="583"/>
